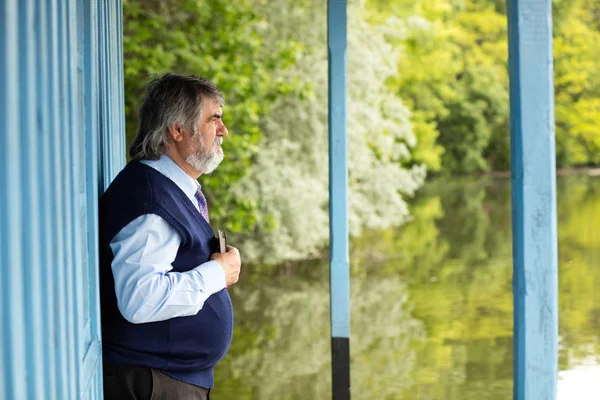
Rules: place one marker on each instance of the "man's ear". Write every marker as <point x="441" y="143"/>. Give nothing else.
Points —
<point x="175" y="132"/>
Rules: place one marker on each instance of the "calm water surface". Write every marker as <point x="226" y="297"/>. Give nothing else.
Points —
<point x="431" y="306"/>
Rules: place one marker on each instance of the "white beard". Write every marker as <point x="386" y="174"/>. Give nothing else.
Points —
<point x="206" y="161"/>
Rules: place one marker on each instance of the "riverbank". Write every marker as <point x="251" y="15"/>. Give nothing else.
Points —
<point x="560" y="172"/>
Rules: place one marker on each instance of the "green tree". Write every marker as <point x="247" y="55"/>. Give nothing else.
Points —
<point x="452" y="74"/>
<point x="577" y="84"/>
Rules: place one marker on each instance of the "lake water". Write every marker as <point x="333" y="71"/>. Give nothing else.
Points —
<point x="431" y="311"/>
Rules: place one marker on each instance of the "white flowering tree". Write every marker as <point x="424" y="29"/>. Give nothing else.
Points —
<point x="289" y="178"/>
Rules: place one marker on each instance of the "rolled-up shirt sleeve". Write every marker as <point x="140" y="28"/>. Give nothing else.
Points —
<point x="146" y="287"/>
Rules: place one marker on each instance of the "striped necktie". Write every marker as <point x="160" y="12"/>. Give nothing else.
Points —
<point x="202" y="204"/>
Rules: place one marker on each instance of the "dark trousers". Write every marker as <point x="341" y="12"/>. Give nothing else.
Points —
<point x="123" y="382"/>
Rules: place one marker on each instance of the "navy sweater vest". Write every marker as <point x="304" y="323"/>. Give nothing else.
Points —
<point x="187" y="348"/>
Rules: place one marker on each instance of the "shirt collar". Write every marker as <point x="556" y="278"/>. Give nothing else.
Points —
<point x="168" y="168"/>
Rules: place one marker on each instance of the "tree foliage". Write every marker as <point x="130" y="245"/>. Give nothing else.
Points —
<point x="453" y="75"/>
<point x="577" y="83"/>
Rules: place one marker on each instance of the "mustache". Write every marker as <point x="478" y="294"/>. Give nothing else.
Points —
<point x="218" y="141"/>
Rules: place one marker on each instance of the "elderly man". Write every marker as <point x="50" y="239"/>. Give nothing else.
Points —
<point x="167" y="318"/>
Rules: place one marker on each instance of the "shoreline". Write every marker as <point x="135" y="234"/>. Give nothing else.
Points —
<point x="559" y="172"/>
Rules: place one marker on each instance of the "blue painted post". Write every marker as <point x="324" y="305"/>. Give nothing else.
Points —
<point x="14" y="361"/>
<point x="535" y="279"/>
<point x="338" y="202"/>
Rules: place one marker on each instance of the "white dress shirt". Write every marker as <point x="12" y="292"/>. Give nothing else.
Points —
<point x="146" y="288"/>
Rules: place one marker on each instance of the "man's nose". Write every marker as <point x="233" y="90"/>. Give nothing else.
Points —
<point x="222" y="131"/>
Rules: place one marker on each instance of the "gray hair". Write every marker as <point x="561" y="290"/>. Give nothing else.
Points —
<point x="170" y="99"/>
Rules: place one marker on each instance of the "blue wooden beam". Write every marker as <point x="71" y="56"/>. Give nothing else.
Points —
<point x="13" y="351"/>
<point x="535" y="277"/>
<point x="338" y="201"/>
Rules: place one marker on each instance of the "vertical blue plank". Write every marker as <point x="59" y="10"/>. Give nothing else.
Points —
<point x="535" y="280"/>
<point x="120" y="95"/>
<point x="45" y="179"/>
<point x="76" y="192"/>
<point x="338" y="201"/>
<point x="115" y="102"/>
<point x="91" y="366"/>
<point x="104" y="150"/>
<point x="59" y="261"/>
<point x="90" y="68"/>
<point x="14" y="385"/>
<point x="30" y="197"/>
<point x="112" y="142"/>
<point x="67" y="182"/>
<point x="81" y="156"/>
<point x="105" y="89"/>
<point x="54" y="220"/>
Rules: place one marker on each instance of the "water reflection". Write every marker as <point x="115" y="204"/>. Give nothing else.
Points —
<point x="281" y="342"/>
<point x="431" y="305"/>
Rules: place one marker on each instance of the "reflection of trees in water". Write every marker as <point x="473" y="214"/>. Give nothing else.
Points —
<point x="282" y="340"/>
<point x="445" y="277"/>
<point x="456" y="255"/>
<point x="579" y="260"/>
<point x="459" y="269"/>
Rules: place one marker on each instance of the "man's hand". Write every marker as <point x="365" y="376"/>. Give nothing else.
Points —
<point x="231" y="264"/>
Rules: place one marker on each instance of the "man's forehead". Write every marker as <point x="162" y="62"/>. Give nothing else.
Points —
<point x="211" y="108"/>
<point x="213" y="105"/>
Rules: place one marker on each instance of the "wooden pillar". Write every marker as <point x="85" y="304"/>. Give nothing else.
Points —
<point x="338" y="201"/>
<point x="535" y="277"/>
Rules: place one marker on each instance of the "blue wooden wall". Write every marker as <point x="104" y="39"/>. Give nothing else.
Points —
<point x="61" y="142"/>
